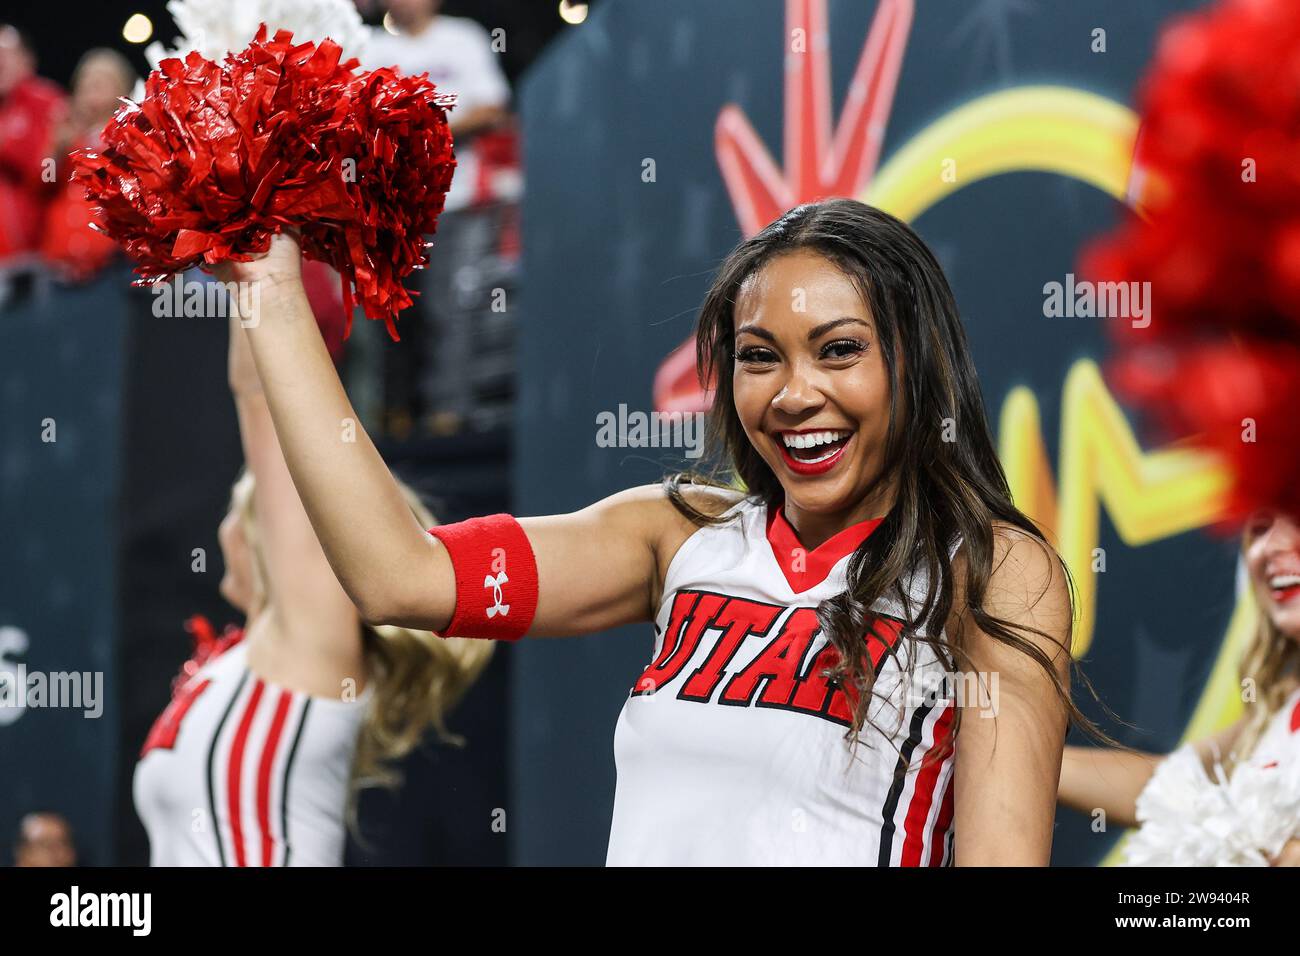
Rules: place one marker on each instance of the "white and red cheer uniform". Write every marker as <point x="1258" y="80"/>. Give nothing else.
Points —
<point x="238" y="771"/>
<point x="1281" y="738"/>
<point x="730" y="748"/>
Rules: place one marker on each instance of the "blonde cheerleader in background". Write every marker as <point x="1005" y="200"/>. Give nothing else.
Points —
<point x="258" y="759"/>
<point x="1232" y="798"/>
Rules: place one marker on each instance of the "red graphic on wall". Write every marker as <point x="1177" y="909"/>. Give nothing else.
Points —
<point x="820" y="164"/>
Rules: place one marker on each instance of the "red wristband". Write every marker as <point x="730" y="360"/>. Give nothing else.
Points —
<point x="496" y="577"/>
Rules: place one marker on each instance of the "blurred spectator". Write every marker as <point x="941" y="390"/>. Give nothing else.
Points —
<point x="457" y="349"/>
<point x="457" y="54"/>
<point x="69" y="245"/>
<point x="44" y="839"/>
<point x="30" y="109"/>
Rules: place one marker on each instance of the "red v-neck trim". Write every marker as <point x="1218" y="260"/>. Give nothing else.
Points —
<point x="816" y="564"/>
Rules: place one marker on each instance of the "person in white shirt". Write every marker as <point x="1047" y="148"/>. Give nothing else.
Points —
<point x="457" y="54"/>
<point x="439" y="360"/>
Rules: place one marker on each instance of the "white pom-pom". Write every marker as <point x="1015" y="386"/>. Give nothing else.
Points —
<point x="1267" y="800"/>
<point x="1189" y="819"/>
<point x="1173" y="809"/>
<point x="217" y="27"/>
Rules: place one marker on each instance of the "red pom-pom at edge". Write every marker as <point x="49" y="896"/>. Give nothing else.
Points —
<point x="1219" y="246"/>
<point x="218" y="158"/>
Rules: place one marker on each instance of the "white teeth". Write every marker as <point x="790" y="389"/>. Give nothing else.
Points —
<point x="811" y="439"/>
<point x="1278" y="581"/>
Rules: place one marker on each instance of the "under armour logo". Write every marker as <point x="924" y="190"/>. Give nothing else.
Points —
<point x="495" y="584"/>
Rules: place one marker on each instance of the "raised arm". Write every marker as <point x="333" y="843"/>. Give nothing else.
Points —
<point x="596" y="568"/>
<point x="308" y="607"/>
<point x="1008" y="764"/>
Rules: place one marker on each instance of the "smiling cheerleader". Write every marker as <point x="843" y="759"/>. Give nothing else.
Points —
<point x="814" y="631"/>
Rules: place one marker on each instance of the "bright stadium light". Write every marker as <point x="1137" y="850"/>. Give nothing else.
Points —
<point x="572" y="13"/>
<point x="137" y="29"/>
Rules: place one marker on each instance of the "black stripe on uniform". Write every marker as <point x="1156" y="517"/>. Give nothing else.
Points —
<point x="212" y="758"/>
<point x="900" y="781"/>
<point x="284" y="785"/>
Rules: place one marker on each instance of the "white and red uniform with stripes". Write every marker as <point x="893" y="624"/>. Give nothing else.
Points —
<point x="730" y="748"/>
<point x="238" y="771"/>
<point x="1281" y="738"/>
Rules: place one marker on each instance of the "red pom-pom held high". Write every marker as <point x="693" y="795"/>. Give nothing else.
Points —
<point x="219" y="157"/>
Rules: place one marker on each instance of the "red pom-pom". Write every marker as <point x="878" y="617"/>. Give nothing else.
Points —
<point x="1220" y="245"/>
<point x="1238" y="399"/>
<point x="218" y="158"/>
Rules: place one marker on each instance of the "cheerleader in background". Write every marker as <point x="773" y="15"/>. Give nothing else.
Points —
<point x="258" y="758"/>
<point x="1127" y="784"/>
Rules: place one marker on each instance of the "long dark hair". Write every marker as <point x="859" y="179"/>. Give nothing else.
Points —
<point x="947" y="491"/>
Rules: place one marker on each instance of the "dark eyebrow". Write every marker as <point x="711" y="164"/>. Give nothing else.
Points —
<point x="814" y="334"/>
